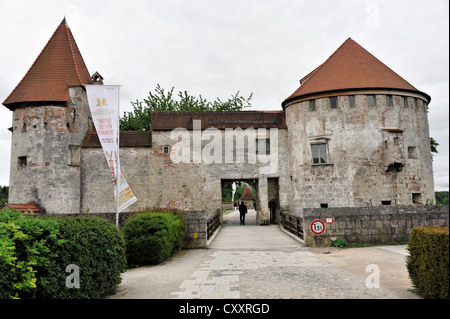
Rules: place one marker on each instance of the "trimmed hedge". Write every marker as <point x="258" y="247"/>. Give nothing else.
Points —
<point x="35" y="251"/>
<point x="428" y="262"/>
<point x="153" y="237"/>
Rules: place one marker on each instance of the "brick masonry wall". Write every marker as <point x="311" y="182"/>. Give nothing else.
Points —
<point x="381" y="224"/>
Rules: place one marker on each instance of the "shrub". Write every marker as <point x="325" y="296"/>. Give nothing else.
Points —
<point x="35" y="251"/>
<point x="97" y="247"/>
<point x="152" y="237"/>
<point x="26" y="246"/>
<point x="428" y="261"/>
<point x="339" y="243"/>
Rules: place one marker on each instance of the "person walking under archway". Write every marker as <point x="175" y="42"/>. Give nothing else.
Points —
<point x="242" y="212"/>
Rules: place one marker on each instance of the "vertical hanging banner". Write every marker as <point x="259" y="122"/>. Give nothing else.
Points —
<point x="104" y="105"/>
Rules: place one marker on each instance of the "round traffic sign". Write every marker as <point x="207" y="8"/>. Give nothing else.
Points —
<point x="317" y="226"/>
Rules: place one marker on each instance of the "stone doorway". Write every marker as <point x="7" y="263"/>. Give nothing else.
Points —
<point x="273" y="194"/>
<point x="252" y="206"/>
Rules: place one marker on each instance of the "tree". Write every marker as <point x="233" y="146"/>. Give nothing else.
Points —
<point x="140" y="118"/>
<point x="433" y="145"/>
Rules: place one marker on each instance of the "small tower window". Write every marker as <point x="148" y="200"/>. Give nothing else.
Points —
<point x="21" y="162"/>
<point x="417" y="198"/>
<point x="412" y="153"/>
<point x="371" y="102"/>
<point x="166" y="150"/>
<point x="333" y="102"/>
<point x="389" y="102"/>
<point x="404" y="101"/>
<point x="351" y="100"/>
<point x="312" y="105"/>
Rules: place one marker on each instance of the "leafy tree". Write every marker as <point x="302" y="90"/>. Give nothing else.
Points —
<point x="140" y="118"/>
<point x="433" y="144"/>
<point x="4" y="195"/>
<point x="442" y="198"/>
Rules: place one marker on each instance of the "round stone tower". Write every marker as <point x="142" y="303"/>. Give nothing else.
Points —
<point x="358" y="135"/>
<point x="50" y="122"/>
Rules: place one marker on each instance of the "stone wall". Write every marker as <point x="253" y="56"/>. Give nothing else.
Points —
<point x="381" y="224"/>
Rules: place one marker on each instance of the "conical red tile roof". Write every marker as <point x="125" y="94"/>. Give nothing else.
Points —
<point x="247" y="194"/>
<point x="350" y="67"/>
<point x="58" y="67"/>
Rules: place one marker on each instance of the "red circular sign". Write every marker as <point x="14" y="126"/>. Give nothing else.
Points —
<point x="317" y="226"/>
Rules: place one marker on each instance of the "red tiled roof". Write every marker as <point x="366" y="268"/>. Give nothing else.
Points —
<point x="126" y="139"/>
<point x="350" y="67"/>
<point x="58" y="67"/>
<point x="168" y="120"/>
<point x="247" y="194"/>
<point x="22" y="207"/>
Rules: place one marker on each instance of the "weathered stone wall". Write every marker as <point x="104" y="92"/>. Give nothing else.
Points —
<point x="45" y="154"/>
<point x="382" y="224"/>
<point x="375" y="155"/>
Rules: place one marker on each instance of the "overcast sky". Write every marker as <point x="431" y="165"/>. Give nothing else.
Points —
<point x="216" y="48"/>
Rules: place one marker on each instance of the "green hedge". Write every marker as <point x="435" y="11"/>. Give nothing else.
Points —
<point x="428" y="262"/>
<point x="152" y="237"/>
<point x="35" y="251"/>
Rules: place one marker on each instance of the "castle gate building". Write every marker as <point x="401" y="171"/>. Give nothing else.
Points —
<point x="354" y="134"/>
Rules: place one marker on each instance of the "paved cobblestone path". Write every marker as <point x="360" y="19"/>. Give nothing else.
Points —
<point x="249" y="261"/>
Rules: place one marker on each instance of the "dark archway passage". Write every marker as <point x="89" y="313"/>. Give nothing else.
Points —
<point x="232" y="218"/>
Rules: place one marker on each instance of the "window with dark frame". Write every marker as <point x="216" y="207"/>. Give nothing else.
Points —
<point x="166" y="150"/>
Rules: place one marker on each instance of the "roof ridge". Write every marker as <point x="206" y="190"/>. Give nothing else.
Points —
<point x="69" y="36"/>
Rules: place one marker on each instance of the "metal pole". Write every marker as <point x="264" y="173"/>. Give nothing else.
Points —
<point x="118" y="160"/>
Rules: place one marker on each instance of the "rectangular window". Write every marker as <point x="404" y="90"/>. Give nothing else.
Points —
<point x="371" y="100"/>
<point x="21" y="162"/>
<point x="312" y="105"/>
<point x="389" y="102"/>
<point x="262" y="146"/>
<point x="166" y="150"/>
<point x="417" y="198"/>
<point x="351" y="100"/>
<point x="386" y="202"/>
<point x="319" y="153"/>
<point x="404" y="101"/>
<point x="412" y="153"/>
<point x="323" y="205"/>
<point x="333" y="102"/>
